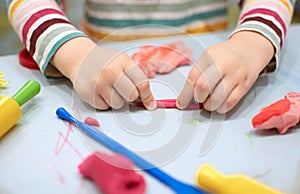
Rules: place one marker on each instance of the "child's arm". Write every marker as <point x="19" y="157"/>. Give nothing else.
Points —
<point x="226" y="71"/>
<point x="50" y="38"/>
<point x="42" y="27"/>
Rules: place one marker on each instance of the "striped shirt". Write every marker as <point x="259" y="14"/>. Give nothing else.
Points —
<point x="43" y="27"/>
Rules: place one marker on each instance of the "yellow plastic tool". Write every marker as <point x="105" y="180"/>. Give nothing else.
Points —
<point x="10" y="111"/>
<point x="211" y="180"/>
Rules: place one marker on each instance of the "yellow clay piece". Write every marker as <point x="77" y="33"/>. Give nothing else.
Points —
<point x="211" y="180"/>
<point x="3" y="82"/>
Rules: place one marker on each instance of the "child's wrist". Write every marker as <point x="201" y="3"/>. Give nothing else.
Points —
<point x="255" y="39"/>
<point x="71" y="54"/>
<point x="256" y="44"/>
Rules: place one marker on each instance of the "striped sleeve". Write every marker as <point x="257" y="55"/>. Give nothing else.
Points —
<point x="42" y="27"/>
<point x="270" y="18"/>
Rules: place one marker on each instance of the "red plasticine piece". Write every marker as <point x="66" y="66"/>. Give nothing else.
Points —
<point x="275" y="109"/>
<point x="113" y="174"/>
<point x="171" y="103"/>
<point x="26" y="60"/>
<point x="281" y="115"/>
<point x="91" y="121"/>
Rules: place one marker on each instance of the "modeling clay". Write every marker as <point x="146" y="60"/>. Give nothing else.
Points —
<point x="91" y="121"/>
<point x="171" y="103"/>
<point x="26" y="60"/>
<point x="162" y="59"/>
<point x="3" y="82"/>
<point x="113" y="174"/>
<point x="282" y="115"/>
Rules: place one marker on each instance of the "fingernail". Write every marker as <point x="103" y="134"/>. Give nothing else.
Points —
<point x="152" y="105"/>
<point x="178" y="104"/>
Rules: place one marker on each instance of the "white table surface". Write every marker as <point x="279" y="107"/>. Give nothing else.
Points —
<point x="41" y="153"/>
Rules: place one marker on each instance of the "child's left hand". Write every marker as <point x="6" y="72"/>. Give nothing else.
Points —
<point x="225" y="72"/>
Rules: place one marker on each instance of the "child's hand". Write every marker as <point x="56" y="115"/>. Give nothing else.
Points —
<point x="103" y="77"/>
<point x="226" y="71"/>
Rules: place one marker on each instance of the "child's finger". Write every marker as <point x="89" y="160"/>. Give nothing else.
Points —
<point x="204" y="61"/>
<point x="99" y="103"/>
<point x="113" y="98"/>
<point x="136" y="75"/>
<point x="146" y="95"/>
<point x="233" y="98"/>
<point x="188" y="91"/>
<point x="185" y="96"/>
<point x="206" y="83"/>
<point x="116" y="100"/>
<point x="220" y="94"/>
<point x="126" y="88"/>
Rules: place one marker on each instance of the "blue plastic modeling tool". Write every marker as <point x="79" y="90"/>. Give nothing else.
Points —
<point x="176" y="185"/>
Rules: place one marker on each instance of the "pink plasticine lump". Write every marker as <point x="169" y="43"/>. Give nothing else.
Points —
<point x="282" y="115"/>
<point x="113" y="174"/>
<point x="162" y="59"/>
<point x="91" y="121"/>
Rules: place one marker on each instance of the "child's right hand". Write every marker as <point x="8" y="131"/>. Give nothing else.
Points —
<point x="102" y="77"/>
<point x="226" y="71"/>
